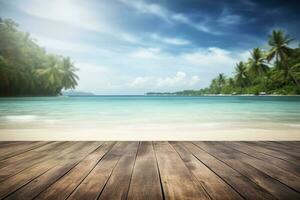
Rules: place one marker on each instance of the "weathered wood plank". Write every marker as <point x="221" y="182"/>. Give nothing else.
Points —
<point x="177" y="181"/>
<point x="94" y="183"/>
<point x="8" y="144"/>
<point x="165" y="170"/>
<point x="277" y="173"/>
<point x="241" y="183"/>
<point x="289" y="150"/>
<point x="13" y="161"/>
<point x="286" y="145"/>
<point x="234" y="160"/>
<point x="69" y="160"/>
<point x="296" y="144"/>
<point x="119" y="181"/>
<point x="264" y="157"/>
<point x="15" y="182"/>
<point x="19" y="163"/>
<point x="277" y="154"/>
<point x="14" y="149"/>
<point x="66" y="184"/>
<point x="213" y="184"/>
<point x="145" y="182"/>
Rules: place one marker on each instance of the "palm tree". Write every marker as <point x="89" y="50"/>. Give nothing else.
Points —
<point x="294" y="73"/>
<point x="289" y="71"/>
<point x="230" y="81"/>
<point x="217" y="84"/>
<point x="52" y="74"/>
<point x="278" y="42"/>
<point x="221" y="80"/>
<point x="69" y="79"/>
<point x="257" y="62"/>
<point x="241" y="75"/>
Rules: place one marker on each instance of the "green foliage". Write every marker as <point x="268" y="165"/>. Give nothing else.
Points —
<point x="273" y="71"/>
<point x="278" y="42"/>
<point x="241" y="76"/>
<point x="257" y="63"/>
<point x="26" y="69"/>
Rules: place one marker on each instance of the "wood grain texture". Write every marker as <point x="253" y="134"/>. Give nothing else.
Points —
<point x="264" y="157"/>
<point x="241" y="183"/>
<point x="275" y="153"/>
<point x="119" y="181"/>
<point x="65" y="185"/>
<point x="213" y="184"/>
<point x="235" y="159"/>
<point x="94" y="183"/>
<point x="289" y="150"/>
<point x="12" y="149"/>
<point x="273" y="171"/>
<point x="14" y="182"/>
<point x="14" y="165"/>
<point x="177" y="181"/>
<point x="62" y="165"/>
<point x="145" y="182"/>
<point x="149" y="170"/>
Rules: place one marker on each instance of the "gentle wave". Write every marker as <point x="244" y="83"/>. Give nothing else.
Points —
<point x="294" y="125"/>
<point x="22" y="118"/>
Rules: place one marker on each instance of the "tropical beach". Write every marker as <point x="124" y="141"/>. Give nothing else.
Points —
<point x="255" y="107"/>
<point x="149" y="99"/>
<point x="150" y="118"/>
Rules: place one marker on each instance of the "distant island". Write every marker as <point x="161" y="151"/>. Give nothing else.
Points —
<point x="77" y="93"/>
<point x="199" y="93"/>
<point x="273" y="71"/>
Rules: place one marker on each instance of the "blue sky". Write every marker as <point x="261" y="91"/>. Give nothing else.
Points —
<point x="137" y="46"/>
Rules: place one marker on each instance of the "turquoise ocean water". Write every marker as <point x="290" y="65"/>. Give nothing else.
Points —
<point x="106" y="112"/>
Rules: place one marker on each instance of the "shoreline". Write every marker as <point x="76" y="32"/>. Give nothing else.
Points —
<point x="146" y="134"/>
<point x="228" y="95"/>
<point x="145" y="95"/>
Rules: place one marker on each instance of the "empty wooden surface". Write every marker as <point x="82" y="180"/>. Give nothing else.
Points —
<point x="149" y="170"/>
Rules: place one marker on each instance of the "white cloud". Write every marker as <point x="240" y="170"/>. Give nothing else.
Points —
<point x="179" y="80"/>
<point x="130" y="38"/>
<point x="227" y="18"/>
<point x="145" y="53"/>
<point x="194" y="80"/>
<point x="170" y="40"/>
<point x="212" y="57"/>
<point x="181" y="18"/>
<point x="201" y="26"/>
<point x="230" y="19"/>
<point x="143" y="7"/>
<point x="176" y="41"/>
